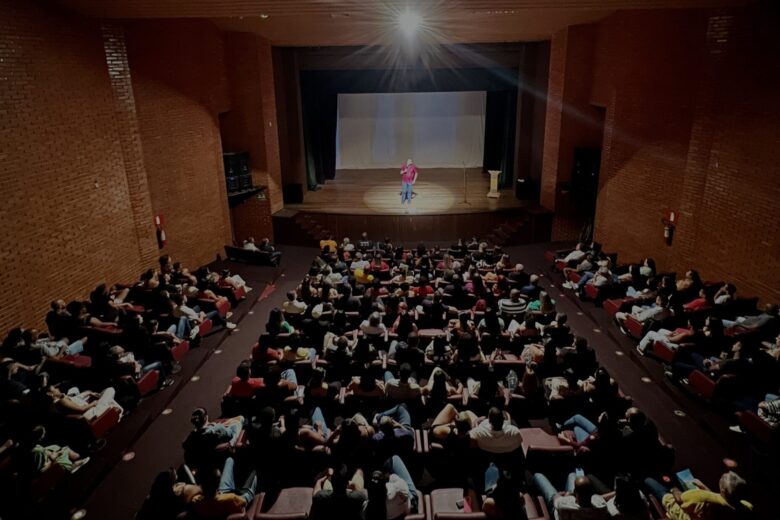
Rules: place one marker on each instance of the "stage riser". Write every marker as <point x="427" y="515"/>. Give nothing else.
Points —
<point x="410" y="229"/>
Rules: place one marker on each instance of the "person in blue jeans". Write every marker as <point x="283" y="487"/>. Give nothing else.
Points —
<point x="408" y="178"/>
<point x="391" y="493"/>
<point x="399" y="413"/>
<point x="503" y="495"/>
<point x="581" y="426"/>
<point x="220" y="496"/>
<point x="578" y="494"/>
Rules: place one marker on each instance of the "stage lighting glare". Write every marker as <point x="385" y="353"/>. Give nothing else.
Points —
<point x="409" y="22"/>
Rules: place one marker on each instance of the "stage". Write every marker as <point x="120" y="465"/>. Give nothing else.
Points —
<point x="370" y="200"/>
<point x="439" y="191"/>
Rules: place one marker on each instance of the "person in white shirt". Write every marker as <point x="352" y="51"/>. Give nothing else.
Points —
<point x="293" y="305"/>
<point x="373" y="326"/>
<point x="644" y="312"/>
<point x="249" y="244"/>
<point x="578" y="502"/>
<point x="359" y="263"/>
<point x="347" y="245"/>
<point x="392" y="493"/>
<point x="575" y="256"/>
<point x="496" y="434"/>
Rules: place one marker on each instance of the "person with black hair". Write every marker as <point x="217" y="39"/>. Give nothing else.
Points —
<point x="496" y="434"/>
<point x="201" y="445"/>
<point x="578" y="501"/>
<point x="503" y="498"/>
<point x="242" y="385"/>
<point x="167" y="497"/>
<point x="391" y="493"/>
<point x="338" y="496"/>
<point x="220" y="497"/>
<point x="627" y="502"/>
<point x="402" y="388"/>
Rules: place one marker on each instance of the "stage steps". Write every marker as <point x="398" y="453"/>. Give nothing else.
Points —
<point x="510" y="232"/>
<point x="507" y="227"/>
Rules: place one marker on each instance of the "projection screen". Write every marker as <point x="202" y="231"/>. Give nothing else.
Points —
<point x="435" y="129"/>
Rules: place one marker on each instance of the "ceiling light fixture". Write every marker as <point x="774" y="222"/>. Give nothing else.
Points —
<point x="409" y="22"/>
<point x="263" y="16"/>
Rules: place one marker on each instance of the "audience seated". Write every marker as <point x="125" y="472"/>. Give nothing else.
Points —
<point x="446" y="352"/>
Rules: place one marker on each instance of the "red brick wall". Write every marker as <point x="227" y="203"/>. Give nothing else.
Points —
<point x="242" y="128"/>
<point x="67" y="214"/>
<point x="180" y="86"/>
<point x="102" y="126"/>
<point x="251" y="125"/>
<point x="693" y="119"/>
<point x="571" y="122"/>
<point x="252" y="218"/>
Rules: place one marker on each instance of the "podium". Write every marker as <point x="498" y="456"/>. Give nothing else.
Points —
<point x="493" y="193"/>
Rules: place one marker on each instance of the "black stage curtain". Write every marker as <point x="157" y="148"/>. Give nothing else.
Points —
<point x="500" y="117"/>
<point x="320" y="89"/>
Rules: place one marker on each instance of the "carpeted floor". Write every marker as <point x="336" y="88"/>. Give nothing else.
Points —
<point x="700" y="435"/>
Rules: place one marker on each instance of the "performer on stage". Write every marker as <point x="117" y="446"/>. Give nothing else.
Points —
<point x="408" y="178"/>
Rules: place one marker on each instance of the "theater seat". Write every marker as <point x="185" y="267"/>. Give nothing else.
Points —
<point x="635" y="328"/>
<point x="701" y="384"/>
<point x="614" y="305"/>
<point x="144" y="386"/>
<point x="205" y="327"/>
<point x="422" y="511"/>
<point x="541" y="446"/>
<point x="291" y="504"/>
<point x="758" y="428"/>
<point x="443" y="505"/>
<point x="179" y="351"/>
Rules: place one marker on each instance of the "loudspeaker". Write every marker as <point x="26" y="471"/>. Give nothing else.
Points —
<point x="236" y="163"/>
<point x="585" y="177"/>
<point x="245" y="181"/>
<point x="232" y="183"/>
<point x="292" y="193"/>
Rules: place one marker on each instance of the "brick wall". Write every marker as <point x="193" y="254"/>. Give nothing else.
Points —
<point x="103" y="125"/>
<point x="67" y="215"/>
<point x="252" y="218"/>
<point x="693" y="120"/>
<point x="571" y="122"/>
<point x="180" y="87"/>
<point x="250" y="125"/>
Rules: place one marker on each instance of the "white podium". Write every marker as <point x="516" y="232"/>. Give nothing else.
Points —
<point x="493" y="193"/>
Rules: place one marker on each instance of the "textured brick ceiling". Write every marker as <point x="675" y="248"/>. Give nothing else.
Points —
<point x="361" y="22"/>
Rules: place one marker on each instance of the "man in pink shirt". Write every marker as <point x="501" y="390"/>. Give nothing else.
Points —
<point x="408" y="178"/>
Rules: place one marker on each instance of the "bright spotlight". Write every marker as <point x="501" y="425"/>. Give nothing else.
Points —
<point x="409" y="22"/>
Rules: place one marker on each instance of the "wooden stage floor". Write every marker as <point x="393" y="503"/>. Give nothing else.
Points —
<point x="439" y="191"/>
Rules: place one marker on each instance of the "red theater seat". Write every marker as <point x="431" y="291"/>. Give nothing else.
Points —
<point x="757" y="427"/>
<point x="291" y="504"/>
<point x="701" y="384"/>
<point x="144" y="386"/>
<point x="179" y="351"/>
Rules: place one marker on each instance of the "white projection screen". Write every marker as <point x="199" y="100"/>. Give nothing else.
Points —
<point x="435" y="129"/>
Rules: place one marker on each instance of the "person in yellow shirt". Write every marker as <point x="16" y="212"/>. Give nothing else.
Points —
<point x="703" y="504"/>
<point x="330" y="243"/>
<point x="362" y="277"/>
<point x="219" y="497"/>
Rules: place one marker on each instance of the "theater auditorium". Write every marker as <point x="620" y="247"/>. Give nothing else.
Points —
<point x="389" y="259"/>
